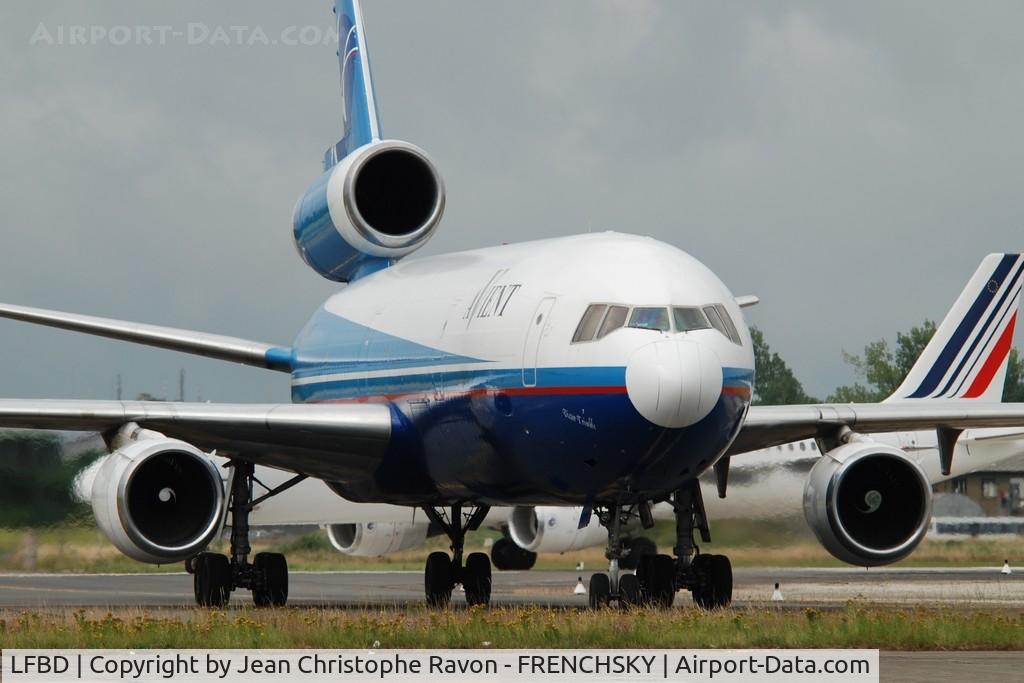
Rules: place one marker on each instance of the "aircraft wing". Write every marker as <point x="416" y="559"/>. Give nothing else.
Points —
<point x="327" y="441"/>
<point x="767" y="426"/>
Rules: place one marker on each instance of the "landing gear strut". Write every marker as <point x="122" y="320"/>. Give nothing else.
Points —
<point x="442" y="572"/>
<point x="615" y="586"/>
<point x="215" y="576"/>
<point x="707" y="577"/>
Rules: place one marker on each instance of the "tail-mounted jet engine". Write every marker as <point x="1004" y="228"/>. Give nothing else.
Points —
<point x="373" y="539"/>
<point x="158" y="500"/>
<point x="379" y="203"/>
<point x="867" y="503"/>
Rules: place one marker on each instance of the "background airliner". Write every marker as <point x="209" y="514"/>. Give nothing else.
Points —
<point x="602" y="370"/>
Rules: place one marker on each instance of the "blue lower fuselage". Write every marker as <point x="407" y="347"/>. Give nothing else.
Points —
<point x="481" y="435"/>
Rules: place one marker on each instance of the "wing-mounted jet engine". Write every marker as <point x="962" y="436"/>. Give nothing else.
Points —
<point x="373" y="539"/>
<point x="549" y="529"/>
<point x="553" y="529"/>
<point x="382" y="201"/>
<point x="158" y="500"/>
<point x="867" y="503"/>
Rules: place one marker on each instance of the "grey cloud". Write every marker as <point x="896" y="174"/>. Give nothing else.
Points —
<point x="848" y="163"/>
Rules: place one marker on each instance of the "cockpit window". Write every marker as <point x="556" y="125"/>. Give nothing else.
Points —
<point x="730" y="326"/>
<point x="615" y="319"/>
<point x="687" y="319"/>
<point x="720" y="320"/>
<point x="650" y="319"/>
<point x="590" y="322"/>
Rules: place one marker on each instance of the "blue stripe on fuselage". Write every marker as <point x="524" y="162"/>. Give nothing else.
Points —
<point x="438" y="379"/>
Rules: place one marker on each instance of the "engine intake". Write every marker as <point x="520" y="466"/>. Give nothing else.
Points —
<point x="867" y="503"/>
<point x="381" y="202"/>
<point x="158" y="500"/>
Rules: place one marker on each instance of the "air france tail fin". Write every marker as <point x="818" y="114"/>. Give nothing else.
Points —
<point x="967" y="356"/>
<point x="360" y="123"/>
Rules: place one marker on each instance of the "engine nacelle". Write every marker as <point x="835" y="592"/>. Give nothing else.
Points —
<point x="549" y="529"/>
<point x="373" y="539"/>
<point x="158" y="500"/>
<point x="381" y="202"/>
<point x="867" y="503"/>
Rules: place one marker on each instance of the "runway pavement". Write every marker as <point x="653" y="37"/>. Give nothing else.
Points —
<point x="799" y="586"/>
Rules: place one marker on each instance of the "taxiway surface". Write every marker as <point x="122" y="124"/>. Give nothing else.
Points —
<point x="799" y="586"/>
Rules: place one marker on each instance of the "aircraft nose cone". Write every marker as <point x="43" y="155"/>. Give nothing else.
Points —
<point x="674" y="383"/>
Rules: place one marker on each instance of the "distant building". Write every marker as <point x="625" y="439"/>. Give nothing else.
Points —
<point x="998" y="490"/>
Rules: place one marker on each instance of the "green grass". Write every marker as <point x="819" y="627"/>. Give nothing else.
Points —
<point x="855" y="626"/>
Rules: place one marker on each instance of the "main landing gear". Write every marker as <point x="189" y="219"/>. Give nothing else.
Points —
<point x="215" y="576"/>
<point x="442" y="572"/>
<point x="658" y="577"/>
<point x="707" y="577"/>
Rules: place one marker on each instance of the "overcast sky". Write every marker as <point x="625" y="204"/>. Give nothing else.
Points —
<point x="849" y="163"/>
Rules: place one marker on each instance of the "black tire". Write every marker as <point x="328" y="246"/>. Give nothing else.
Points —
<point x="274" y="591"/>
<point x="477" y="579"/>
<point x="600" y="591"/>
<point x="701" y="566"/>
<point x="662" y="581"/>
<point x="721" y="582"/>
<point x="644" y="576"/>
<point x="638" y="547"/>
<point x="506" y="555"/>
<point x="212" y="580"/>
<point x="629" y="591"/>
<point x="714" y="581"/>
<point x="437" y="580"/>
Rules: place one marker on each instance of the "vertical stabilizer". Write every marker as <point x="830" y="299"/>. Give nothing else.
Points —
<point x="967" y="357"/>
<point x="360" y="123"/>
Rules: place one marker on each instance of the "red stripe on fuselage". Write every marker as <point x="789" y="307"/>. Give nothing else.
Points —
<point x="993" y="363"/>
<point x="742" y="391"/>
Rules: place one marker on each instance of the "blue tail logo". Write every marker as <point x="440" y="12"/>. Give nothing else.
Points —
<point x="360" y="123"/>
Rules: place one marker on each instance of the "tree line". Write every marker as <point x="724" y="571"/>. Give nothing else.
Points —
<point x="880" y="370"/>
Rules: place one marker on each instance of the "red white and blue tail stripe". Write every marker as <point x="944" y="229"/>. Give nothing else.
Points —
<point x="967" y="357"/>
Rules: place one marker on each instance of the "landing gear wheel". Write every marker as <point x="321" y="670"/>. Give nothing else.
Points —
<point x="505" y="555"/>
<point x="477" y="579"/>
<point x="212" y="580"/>
<point x="629" y="591"/>
<point x="600" y="591"/>
<point x="714" y="588"/>
<point x="638" y="548"/>
<point x="657" y="577"/>
<point x="437" y="580"/>
<point x="274" y="591"/>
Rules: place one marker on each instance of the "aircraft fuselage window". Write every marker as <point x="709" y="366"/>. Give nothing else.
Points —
<point x="687" y="319"/>
<point x="589" y="323"/>
<point x="650" y="319"/>
<point x="615" y="319"/>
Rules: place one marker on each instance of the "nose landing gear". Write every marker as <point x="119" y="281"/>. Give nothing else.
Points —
<point x="442" y="573"/>
<point x="625" y="589"/>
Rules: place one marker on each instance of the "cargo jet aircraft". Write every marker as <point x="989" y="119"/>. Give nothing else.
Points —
<point x="603" y="370"/>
